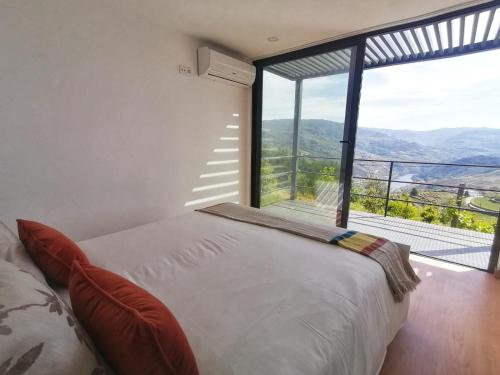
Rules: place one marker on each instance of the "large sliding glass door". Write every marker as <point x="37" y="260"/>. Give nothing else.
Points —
<point x="307" y="125"/>
<point x="304" y="123"/>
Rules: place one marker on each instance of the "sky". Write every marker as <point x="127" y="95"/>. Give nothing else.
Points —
<point x="445" y="93"/>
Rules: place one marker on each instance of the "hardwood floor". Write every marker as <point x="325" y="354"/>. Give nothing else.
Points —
<point x="454" y="324"/>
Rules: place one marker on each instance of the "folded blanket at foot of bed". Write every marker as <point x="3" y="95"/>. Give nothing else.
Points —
<point x="400" y="275"/>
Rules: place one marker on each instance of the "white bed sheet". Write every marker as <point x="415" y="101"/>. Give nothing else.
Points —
<point x="254" y="300"/>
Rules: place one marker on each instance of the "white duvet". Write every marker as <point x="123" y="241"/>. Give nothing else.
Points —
<point x="254" y="300"/>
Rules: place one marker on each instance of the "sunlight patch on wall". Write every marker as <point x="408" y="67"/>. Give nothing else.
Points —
<point x="217" y="174"/>
<point x="226" y="149"/>
<point x="220" y="162"/>
<point x="215" y="186"/>
<point x="219" y="181"/>
<point x="210" y="199"/>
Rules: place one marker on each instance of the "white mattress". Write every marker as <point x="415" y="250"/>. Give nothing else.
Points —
<point x="254" y="300"/>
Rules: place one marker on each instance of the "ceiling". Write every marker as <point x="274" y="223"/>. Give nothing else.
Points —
<point x="243" y="26"/>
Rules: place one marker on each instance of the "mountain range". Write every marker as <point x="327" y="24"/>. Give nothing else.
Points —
<point x="439" y="145"/>
<point x="446" y="145"/>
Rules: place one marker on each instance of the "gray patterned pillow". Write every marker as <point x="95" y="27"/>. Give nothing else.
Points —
<point x="38" y="332"/>
<point x="12" y="250"/>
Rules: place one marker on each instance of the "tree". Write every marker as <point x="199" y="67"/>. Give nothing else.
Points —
<point x="354" y="194"/>
<point x="328" y="174"/>
<point x="414" y="192"/>
<point x="482" y="226"/>
<point x="373" y="205"/>
<point x="430" y="214"/>
<point x="268" y="181"/>
<point x="406" y="210"/>
<point x="448" y="214"/>
<point x="466" y="220"/>
<point x="373" y="188"/>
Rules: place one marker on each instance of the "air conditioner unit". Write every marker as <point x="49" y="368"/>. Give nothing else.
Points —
<point x="219" y="67"/>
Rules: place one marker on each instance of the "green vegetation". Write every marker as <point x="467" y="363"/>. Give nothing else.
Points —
<point x="364" y="197"/>
<point x="276" y="176"/>
<point x="406" y="208"/>
<point x="268" y="199"/>
<point x="269" y="181"/>
<point x="430" y="214"/>
<point x="373" y="189"/>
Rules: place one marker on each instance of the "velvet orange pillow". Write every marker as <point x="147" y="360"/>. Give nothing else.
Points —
<point x="135" y="332"/>
<point x="51" y="250"/>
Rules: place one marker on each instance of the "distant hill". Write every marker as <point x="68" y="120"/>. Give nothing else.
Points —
<point x="451" y="145"/>
<point x="471" y="176"/>
<point x="445" y="144"/>
<point x="455" y="171"/>
<point x="380" y="144"/>
<point x="440" y="145"/>
<point x="316" y="137"/>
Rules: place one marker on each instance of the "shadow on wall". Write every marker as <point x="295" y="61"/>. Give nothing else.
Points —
<point x="221" y="182"/>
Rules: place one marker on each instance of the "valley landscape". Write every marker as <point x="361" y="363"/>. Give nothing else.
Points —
<point x="320" y="151"/>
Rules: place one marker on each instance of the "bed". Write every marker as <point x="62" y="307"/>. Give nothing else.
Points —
<point x="255" y="300"/>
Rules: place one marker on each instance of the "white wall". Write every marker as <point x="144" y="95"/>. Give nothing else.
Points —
<point x="98" y="131"/>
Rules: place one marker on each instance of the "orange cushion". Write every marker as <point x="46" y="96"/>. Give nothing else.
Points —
<point x="51" y="250"/>
<point x="136" y="333"/>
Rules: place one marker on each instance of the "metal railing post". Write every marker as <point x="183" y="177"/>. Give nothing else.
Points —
<point x="460" y="196"/>
<point x="295" y="144"/>
<point x="495" y="248"/>
<point x="388" y="189"/>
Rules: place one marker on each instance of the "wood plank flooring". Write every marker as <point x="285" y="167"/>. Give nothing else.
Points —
<point x="454" y="324"/>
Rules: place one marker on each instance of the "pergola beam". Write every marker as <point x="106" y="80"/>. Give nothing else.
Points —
<point x="438" y="39"/>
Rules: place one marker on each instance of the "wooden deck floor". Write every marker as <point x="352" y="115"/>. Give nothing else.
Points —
<point x="452" y="244"/>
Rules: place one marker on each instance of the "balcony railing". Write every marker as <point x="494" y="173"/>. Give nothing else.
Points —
<point x="457" y="244"/>
<point x="390" y="181"/>
<point x="461" y="188"/>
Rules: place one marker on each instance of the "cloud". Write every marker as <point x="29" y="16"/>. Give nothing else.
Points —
<point x="278" y="97"/>
<point x="323" y="108"/>
<point x="452" y="92"/>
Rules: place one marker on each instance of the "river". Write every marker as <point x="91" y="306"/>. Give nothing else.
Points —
<point x="397" y="185"/>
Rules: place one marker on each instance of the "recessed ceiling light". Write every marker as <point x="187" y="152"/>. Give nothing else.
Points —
<point x="272" y="39"/>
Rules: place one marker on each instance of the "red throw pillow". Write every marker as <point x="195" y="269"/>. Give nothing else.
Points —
<point x="136" y="333"/>
<point x="51" y="250"/>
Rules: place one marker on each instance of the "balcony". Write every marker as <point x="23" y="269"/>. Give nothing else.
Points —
<point x="465" y="237"/>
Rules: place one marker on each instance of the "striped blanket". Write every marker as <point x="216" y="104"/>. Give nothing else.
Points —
<point x="359" y="242"/>
<point x="399" y="273"/>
